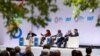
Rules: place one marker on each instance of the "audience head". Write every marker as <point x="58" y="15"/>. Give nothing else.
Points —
<point x="76" y="53"/>
<point x="4" y="53"/>
<point x="88" y="50"/>
<point x="46" y="46"/>
<point x="28" y="51"/>
<point x="9" y="49"/>
<point x="45" y="52"/>
<point x="57" y="53"/>
<point x="28" y="48"/>
<point x="12" y="53"/>
<point x="17" y="49"/>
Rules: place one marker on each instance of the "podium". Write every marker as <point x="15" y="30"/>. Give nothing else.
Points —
<point x="73" y="42"/>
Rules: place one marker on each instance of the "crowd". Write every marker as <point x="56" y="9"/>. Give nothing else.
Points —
<point x="44" y="52"/>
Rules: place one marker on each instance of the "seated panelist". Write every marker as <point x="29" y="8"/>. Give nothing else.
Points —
<point x="30" y="36"/>
<point x="47" y="34"/>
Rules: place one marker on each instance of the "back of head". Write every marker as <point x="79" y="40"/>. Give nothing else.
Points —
<point x="88" y="50"/>
<point x="8" y="49"/>
<point x="76" y="53"/>
<point x="28" y="51"/>
<point x="17" y="49"/>
<point x="57" y="53"/>
<point x="12" y="53"/>
<point x="46" y="46"/>
<point x="45" y="52"/>
<point x="4" y="53"/>
<point x="28" y="48"/>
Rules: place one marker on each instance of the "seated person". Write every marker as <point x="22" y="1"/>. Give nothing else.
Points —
<point x="18" y="51"/>
<point x="46" y="50"/>
<point x="70" y="34"/>
<point x="76" y="33"/>
<point x="48" y="33"/>
<point x="30" y="34"/>
<point x="30" y="37"/>
<point x="59" y="34"/>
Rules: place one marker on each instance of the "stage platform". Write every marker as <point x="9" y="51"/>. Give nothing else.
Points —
<point x="64" y="51"/>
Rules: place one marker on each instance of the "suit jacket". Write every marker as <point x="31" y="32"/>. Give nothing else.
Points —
<point x="30" y="35"/>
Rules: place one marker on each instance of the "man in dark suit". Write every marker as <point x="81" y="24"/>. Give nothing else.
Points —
<point x="76" y="33"/>
<point x="30" y="37"/>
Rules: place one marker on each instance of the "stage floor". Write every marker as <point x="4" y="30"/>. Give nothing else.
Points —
<point x="64" y="51"/>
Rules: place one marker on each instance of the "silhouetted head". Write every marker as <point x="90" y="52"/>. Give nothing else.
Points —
<point x="45" y="52"/>
<point x="46" y="46"/>
<point x="28" y="51"/>
<point x="17" y="49"/>
<point x="88" y="50"/>
<point x="76" y="53"/>
<point x="57" y="53"/>
<point x="13" y="53"/>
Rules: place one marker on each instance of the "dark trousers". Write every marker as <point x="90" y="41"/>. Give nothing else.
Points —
<point x="60" y="42"/>
<point x="42" y="40"/>
<point x="65" y="42"/>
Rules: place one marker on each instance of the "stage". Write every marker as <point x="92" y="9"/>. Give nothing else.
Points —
<point x="64" y="51"/>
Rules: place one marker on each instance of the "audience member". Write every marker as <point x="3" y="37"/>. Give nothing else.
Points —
<point x="55" y="53"/>
<point x="76" y="53"/>
<point x="13" y="53"/>
<point x="46" y="46"/>
<point x="46" y="50"/>
<point x="28" y="51"/>
<point x="18" y="51"/>
<point x="88" y="51"/>
<point x="4" y="53"/>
